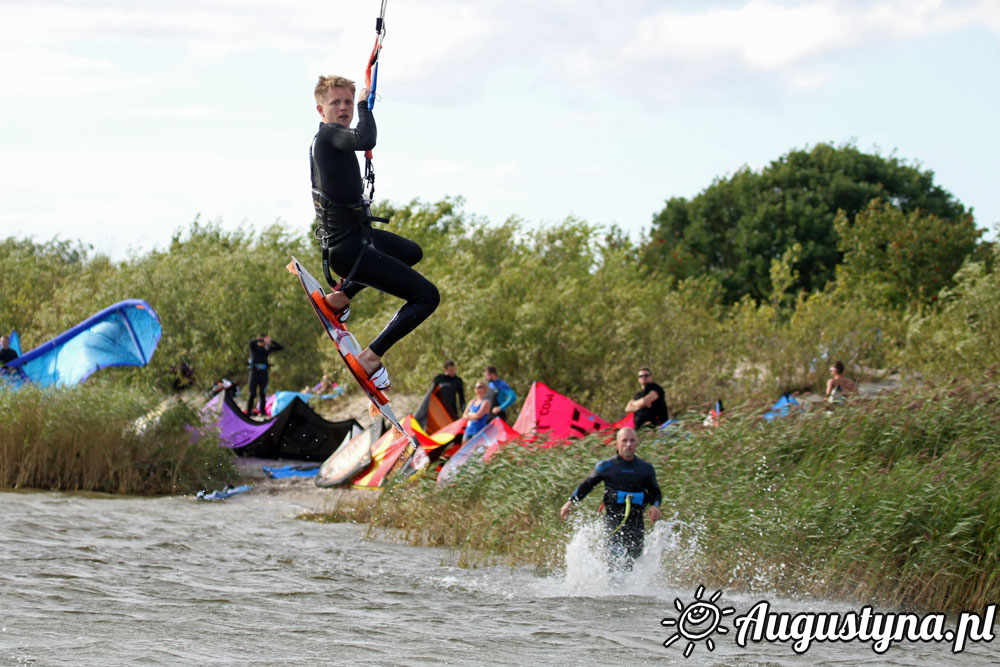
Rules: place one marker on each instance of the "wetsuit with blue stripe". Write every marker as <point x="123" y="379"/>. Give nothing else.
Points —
<point x="636" y="479"/>
<point x="503" y="397"/>
<point x="387" y="259"/>
<point x="259" y="365"/>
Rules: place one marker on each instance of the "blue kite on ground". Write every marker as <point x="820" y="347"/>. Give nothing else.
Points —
<point x="782" y="407"/>
<point x="15" y="342"/>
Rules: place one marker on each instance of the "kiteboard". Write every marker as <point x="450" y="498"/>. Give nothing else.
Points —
<point x="349" y="348"/>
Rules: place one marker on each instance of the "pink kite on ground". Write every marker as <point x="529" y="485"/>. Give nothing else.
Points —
<point x="547" y="411"/>
<point x="628" y="421"/>
<point x="483" y="445"/>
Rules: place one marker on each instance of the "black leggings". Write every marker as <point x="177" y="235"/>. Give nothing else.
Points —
<point x="386" y="266"/>
<point x="257" y="382"/>
<point x="624" y="546"/>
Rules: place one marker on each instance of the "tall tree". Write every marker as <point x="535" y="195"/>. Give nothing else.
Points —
<point x="734" y="228"/>
<point x="893" y="259"/>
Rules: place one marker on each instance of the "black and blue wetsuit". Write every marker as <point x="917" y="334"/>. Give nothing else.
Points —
<point x="635" y="480"/>
<point x="259" y="370"/>
<point x="371" y="257"/>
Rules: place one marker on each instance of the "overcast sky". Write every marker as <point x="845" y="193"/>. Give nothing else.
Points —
<point x="120" y="122"/>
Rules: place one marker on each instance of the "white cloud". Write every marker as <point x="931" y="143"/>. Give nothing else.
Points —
<point x="768" y="35"/>
<point x="441" y="167"/>
<point x="426" y="43"/>
<point x="506" y="169"/>
<point x="110" y="195"/>
<point x="448" y="49"/>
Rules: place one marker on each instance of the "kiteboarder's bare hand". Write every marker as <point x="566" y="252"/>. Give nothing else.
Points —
<point x="565" y="510"/>
<point x="364" y="94"/>
<point x="654" y="514"/>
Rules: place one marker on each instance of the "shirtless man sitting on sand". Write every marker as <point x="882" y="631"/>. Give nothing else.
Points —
<point x="839" y="387"/>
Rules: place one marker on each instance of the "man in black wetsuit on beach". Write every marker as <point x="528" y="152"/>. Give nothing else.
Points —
<point x="629" y="486"/>
<point x="363" y="256"/>
<point x="260" y="348"/>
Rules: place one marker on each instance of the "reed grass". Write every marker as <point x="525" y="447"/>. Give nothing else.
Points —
<point x="87" y="438"/>
<point x="895" y="500"/>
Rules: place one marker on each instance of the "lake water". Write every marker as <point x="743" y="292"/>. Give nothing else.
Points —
<point x="179" y="581"/>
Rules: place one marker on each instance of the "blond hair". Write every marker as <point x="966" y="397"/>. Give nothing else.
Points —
<point x="325" y="83"/>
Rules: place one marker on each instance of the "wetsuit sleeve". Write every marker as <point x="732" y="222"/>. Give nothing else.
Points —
<point x="461" y="392"/>
<point x="506" y="398"/>
<point x="587" y="485"/>
<point x="275" y="346"/>
<point x="361" y="138"/>
<point x="653" y="489"/>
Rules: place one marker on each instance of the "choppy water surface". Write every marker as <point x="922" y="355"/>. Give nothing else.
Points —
<point x="106" y="581"/>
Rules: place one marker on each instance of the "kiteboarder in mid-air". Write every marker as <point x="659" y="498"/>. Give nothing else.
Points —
<point x="363" y="256"/>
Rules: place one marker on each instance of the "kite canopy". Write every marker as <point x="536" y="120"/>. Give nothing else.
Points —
<point x="350" y="459"/>
<point x="125" y="334"/>
<point x="483" y="446"/>
<point x="280" y="399"/>
<point x="547" y="411"/>
<point x="388" y="455"/>
<point x="295" y="433"/>
<point x="782" y="407"/>
<point x="15" y="342"/>
<point x="432" y="414"/>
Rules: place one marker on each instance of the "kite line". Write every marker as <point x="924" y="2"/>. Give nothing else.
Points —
<point x="371" y="81"/>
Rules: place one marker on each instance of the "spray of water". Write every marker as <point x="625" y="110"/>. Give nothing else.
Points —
<point x="669" y="554"/>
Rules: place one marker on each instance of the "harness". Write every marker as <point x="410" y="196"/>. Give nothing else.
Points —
<point x="330" y="215"/>
<point x="626" y="498"/>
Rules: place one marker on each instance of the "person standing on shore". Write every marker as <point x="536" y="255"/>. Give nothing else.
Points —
<point x="477" y="412"/>
<point x="501" y="395"/>
<point x="629" y="487"/>
<point x="451" y="389"/>
<point x="260" y="348"/>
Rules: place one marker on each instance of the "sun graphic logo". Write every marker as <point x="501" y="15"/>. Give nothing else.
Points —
<point x="698" y="621"/>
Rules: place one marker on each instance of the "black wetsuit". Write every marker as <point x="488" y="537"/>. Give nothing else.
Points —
<point x="623" y="477"/>
<point x="387" y="258"/>
<point x="6" y="354"/>
<point x="258" y="371"/>
<point x="452" y="393"/>
<point x="655" y="414"/>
